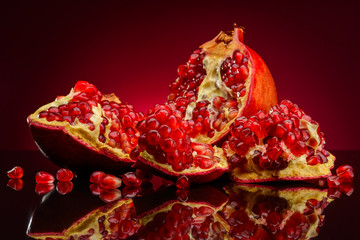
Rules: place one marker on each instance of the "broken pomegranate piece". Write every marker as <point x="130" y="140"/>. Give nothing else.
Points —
<point x="270" y="212"/>
<point x="164" y="146"/>
<point x="86" y="130"/>
<point x="222" y="80"/>
<point x="285" y="144"/>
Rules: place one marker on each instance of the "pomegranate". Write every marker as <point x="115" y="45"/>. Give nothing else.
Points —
<point x="284" y="144"/>
<point x="222" y="80"/>
<point x="16" y="172"/>
<point x="86" y="130"/>
<point x="269" y="212"/>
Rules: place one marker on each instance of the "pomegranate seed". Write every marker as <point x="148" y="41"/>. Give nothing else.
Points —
<point x="110" y="182"/>
<point x="16" y="184"/>
<point x="43" y="188"/>
<point x="64" y="187"/>
<point x="182" y="182"/>
<point x="44" y="177"/>
<point x="333" y="181"/>
<point x="64" y="175"/>
<point x="313" y="160"/>
<point x="110" y="195"/>
<point x="345" y="173"/>
<point x="97" y="176"/>
<point x="347" y="188"/>
<point x="15" y="172"/>
<point x="130" y="179"/>
<point x="130" y="192"/>
<point x="95" y="188"/>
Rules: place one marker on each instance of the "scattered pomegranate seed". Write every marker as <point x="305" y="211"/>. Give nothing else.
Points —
<point x="44" y="177"/>
<point x="64" y="187"/>
<point x="130" y="191"/>
<point x="182" y="182"/>
<point x="96" y="177"/>
<point x="345" y="173"/>
<point x="95" y="188"/>
<point x="110" y="181"/>
<point x="130" y="179"/>
<point x="110" y="195"/>
<point x="43" y="188"/>
<point x="347" y="188"/>
<point x="333" y="181"/>
<point x="16" y="172"/>
<point x="16" y="184"/>
<point x="64" y="175"/>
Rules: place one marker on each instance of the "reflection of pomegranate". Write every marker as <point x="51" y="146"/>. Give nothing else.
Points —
<point x="86" y="129"/>
<point x="259" y="212"/>
<point x="283" y="144"/>
<point x="221" y="80"/>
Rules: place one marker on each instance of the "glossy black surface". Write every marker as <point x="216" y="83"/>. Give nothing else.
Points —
<point x="17" y="206"/>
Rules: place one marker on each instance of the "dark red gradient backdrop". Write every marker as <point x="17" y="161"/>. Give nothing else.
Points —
<point x="133" y="49"/>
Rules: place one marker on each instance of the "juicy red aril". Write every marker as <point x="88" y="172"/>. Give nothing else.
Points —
<point x="130" y="179"/>
<point x="16" y="172"/>
<point x="64" y="187"/>
<point x="110" y="182"/>
<point x="130" y="191"/>
<point x="95" y="188"/>
<point x="333" y="181"/>
<point x="182" y="182"/>
<point x="16" y="184"/>
<point x="64" y="175"/>
<point x="44" y="177"/>
<point x="43" y="188"/>
<point x="345" y="173"/>
<point x="96" y="176"/>
<point x="110" y="195"/>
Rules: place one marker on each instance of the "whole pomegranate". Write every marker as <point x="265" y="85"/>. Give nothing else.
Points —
<point x="284" y="144"/>
<point x="86" y="130"/>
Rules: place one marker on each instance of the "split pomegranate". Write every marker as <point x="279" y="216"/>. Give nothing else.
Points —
<point x="44" y="177"/>
<point x="266" y="212"/>
<point x="284" y="144"/>
<point x="16" y="172"/>
<point x="64" y="175"/>
<point x="86" y="130"/>
<point x="222" y="80"/>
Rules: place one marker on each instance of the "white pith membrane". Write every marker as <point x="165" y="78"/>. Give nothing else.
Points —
<point x="221" y="164"/>
<point x="217" y="218"/>
<point x="216" y="52"/>
<point x="296" y="199"/>
<point x="90" y="221"/>
<point x="80" y="131"/>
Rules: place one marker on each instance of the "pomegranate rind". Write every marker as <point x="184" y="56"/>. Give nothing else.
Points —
<point x="261" y="91"/>
<point x="195" y="174"/>
<point x="83" y="224"/>
<point x="296" y="198"/>
<point x="76" y="146"/>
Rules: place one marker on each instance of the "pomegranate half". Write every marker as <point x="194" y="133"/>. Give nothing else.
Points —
<point x="222" y="80"/>
<point x="285" y="144"/>
<point x="86" y="130"/>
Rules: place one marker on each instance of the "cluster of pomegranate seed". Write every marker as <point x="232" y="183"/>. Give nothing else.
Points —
<point x="234" y="72"/>
<point x="79" y="107"/>
<point x="120" y="223"/>
<point x="15" y="175"/>
<point x="342" y="182"/>
<point x="106" y="185"/>
<point x="283" y="126"/>
<point x="183" y="222"/>
<point x="45" y="182"/>
<point x="191" y="74"/>
<point x="123" y="119"/>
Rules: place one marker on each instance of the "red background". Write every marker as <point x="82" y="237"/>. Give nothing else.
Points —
<point x="133" y="49"/>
